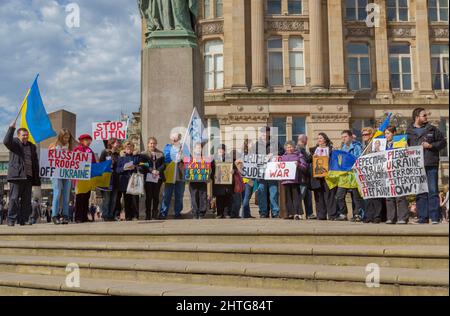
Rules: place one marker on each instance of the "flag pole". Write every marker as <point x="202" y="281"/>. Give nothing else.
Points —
<point x="24" y="100"/>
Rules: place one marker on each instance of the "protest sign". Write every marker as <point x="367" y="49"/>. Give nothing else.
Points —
<point x="255" y="165"/>
<point x="108" y="130"/>
<point x="223" y="173"/>
<point x="278" y="171"/>
<point x="320" y="166"/>
<point x="379" y="144"/>
<point x="197" y="171"/>
<point x="63" y="164"/>
<point x="392" y="173"/>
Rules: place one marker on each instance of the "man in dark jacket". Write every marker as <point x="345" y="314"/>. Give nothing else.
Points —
<point x="23" y="174"/>
<point x="305" y="192"/>
<point x="422" y="133"/>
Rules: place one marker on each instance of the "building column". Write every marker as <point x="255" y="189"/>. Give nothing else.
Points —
<point x="258" y="45"/>
<point x="423" y="47"/>
<point x="382" y="52"/>
<point x="234" y="45"/>
<point x="336" y="45"/>
<point x="316" y="44"/>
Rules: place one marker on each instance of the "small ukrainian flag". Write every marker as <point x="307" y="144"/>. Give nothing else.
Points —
<point x="400" y="141"/>
<point x="100" y="177"/>
<point x="34" y="116"/>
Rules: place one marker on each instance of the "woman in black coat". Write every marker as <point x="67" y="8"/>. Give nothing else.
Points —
<point x="222" y="193"/>
<point x="151" y="164"/>
<point x="126" y="166"/>
<point x="325" y="198"/>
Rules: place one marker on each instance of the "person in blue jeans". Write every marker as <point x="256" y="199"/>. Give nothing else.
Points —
<point x="268" y="191"/>
<point x="172" y="155"/>
<point x="422" y="133"/>
<point x="61" y="187"/>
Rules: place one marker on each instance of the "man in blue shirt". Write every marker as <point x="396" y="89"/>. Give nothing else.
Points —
<point x="355" y="148"/>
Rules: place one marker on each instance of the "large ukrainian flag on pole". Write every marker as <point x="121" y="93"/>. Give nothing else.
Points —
<point x="34" y="116"/>
<point x="341" y="173"/>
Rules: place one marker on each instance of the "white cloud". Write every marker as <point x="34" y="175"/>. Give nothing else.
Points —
<point x="93" y="71"/>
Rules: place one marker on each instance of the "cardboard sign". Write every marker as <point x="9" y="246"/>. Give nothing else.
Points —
<point x="108" y="130"/>
<point x="279" y="171"/>
<point x="320" y="166"/>
<point x="379" y="144"/>
<point x="197" y="171"/>
<point x="392" y="173"/>
<point x="255" y="165"/>
<point x="223" y="173"/>
<point x="64" y="164"/>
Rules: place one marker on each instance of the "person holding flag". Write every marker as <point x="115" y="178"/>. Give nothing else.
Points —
<point x="347" y="180"/>
<point x="23" y="171"/>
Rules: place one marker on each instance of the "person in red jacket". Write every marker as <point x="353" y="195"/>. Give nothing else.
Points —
<point x="82" y="199"/>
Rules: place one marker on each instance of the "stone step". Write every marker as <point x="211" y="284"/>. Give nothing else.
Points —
<point x="235" y="232"/>
<point x="13" y="284"/>
<point x="415" y="257"/>
<point x="289" y="277"/>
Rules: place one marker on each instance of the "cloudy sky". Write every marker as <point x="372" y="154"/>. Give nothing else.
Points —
<point x="93" y="70"/>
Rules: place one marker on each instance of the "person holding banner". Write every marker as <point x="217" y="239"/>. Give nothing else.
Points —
<point x="422" y="133"/>
<point x="82" y="199"/>
<point x="126" y="166"/>
<point x="268" y="191"/>
<point x="294" y="207"/>
<point x="112" y="152"/>
<point x="397" y="208"/>
<point x="152" y="166"/>
<point x="354" y="148"/>
<point x="174" y="176"/>
<point x="198" y="189"/>
<point x="222" y="192"/>
<point x="324" y="196"/>
<point x="23" y="174"/>
<point x="62" y="187"/>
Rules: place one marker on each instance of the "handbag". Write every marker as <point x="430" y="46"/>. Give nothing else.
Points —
<point x="136" y="184"/>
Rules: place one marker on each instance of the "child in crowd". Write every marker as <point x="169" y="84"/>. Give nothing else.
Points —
<point x="397" y="208"/>
<point x="294" y="208"/>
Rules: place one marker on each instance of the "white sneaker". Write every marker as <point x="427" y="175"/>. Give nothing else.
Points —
<point x="298" y="217"/>
<point x="435" y="223"/>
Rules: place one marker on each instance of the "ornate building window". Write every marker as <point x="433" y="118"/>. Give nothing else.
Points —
<point x="439" y="66"/>
<point x="275" y="61"/>
<point x="438" y="10"/>
<point x="358" y="67"/>
<point x="355" y="10"/>
<point x="295" y="6"/>
<point x="298" y="127"/>
<point x="214" y="65"/>
<point x="400" y="67"/>
<point x="280" y="124"/>
<point x="219" y="9"/>
<point x="207" y="9"/>
<point x="273" y="7"/>
<point x="397" y="10"/>
<point x="443" y="126"/>
<point x="296" y="61"/>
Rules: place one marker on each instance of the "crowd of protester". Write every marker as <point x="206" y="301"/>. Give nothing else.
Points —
<point x="227" y="200"/>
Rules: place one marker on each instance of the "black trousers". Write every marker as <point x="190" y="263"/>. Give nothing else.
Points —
<point x="152" y="191"/>
<point x="325" y="201"/>
<point x="397" y="209"/>
<point x="82" y="207"/>
<point x="20" y="195"/>
<point x="292" y="196"/>
<point x="224" y="204"/>
<point x="342" y="205"/>
<point x="199" y="198"/>
<point x="130" y="206"/>
<point x="374" y="208"/>
<point x="118" y="208"/>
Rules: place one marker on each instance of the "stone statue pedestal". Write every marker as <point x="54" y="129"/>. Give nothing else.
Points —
<point x="171" y="86"/>
<point x="171" y="39"/>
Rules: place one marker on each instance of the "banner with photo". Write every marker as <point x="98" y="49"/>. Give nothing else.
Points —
<point x="64" y="164"/>
<point x="223" y="174"/>
<point x="392" y="173"/>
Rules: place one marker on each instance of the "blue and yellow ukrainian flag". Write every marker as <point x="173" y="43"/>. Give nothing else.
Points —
<point x="34" y="117"/>
<point x="380" y="132"/>
<point x="100" y="177"/>
<point x="400" y="141"/>
<point x="340" y="173"/>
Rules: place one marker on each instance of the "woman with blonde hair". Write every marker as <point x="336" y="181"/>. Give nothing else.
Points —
<point x="62" y="187"/>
